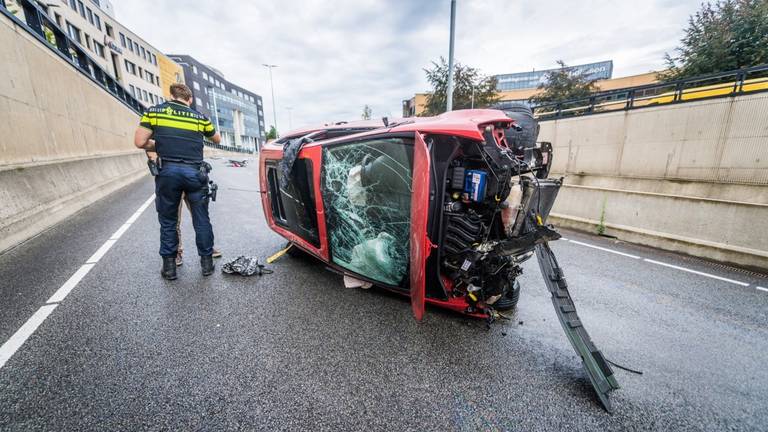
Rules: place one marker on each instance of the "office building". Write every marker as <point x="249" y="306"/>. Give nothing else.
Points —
<point x="521" y="86"/>
<point x="236" y="112"/>
<point x="138" y="66"/>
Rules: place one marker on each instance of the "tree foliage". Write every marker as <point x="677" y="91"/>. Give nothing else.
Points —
<point x="563" y="84"/>
<point x="726" y="35"/>
<point x="465" y="80"/>
<point x="367" y="113"/>
<point x="272" y="134"/>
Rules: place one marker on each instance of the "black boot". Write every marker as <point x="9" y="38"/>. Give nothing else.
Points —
<point x="206" y="262"/>
<point x="169" y="268"/>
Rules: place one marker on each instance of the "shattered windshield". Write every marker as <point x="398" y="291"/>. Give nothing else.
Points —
<point x="367" y="195"/>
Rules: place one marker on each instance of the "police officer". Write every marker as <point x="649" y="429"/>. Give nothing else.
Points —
<point x="175" y="131"/>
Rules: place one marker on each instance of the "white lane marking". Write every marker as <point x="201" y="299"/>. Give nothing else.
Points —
<point x="10" y="347"/>
<point x="563" y="238"/>
<point x="141" y="209"/>
<point x="762" y="289"/>
<point x="119" y="233"/>
<point x="709" y="275"/>
<point x="605" y="249"/>
<point x="69" y="285"/>
<point x="100" y="253"/>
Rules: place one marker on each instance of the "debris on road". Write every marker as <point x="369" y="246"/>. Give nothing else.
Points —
<point x="246" y="266"/>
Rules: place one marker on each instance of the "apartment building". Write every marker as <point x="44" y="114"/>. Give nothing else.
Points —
<point x="141" y="68"/>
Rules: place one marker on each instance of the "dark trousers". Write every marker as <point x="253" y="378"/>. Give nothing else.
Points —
<point x="173" y="180"/>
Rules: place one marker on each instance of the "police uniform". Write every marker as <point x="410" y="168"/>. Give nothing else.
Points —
<point x="178" y="131"/>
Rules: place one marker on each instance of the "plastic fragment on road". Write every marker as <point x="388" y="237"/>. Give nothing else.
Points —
<point x="353" y="282"/>
<point x="245" y="266"/>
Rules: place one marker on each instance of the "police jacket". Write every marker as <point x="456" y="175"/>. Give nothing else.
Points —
<point x="178" y="131"/>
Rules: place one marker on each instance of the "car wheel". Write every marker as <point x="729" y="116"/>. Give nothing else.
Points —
<point x="509" y="300"/>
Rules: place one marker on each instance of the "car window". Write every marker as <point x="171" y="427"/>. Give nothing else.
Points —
<point x="367" y="196"/>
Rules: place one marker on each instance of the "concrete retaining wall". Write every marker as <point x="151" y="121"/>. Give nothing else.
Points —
<point x="691" y="177"/>
<point x="66" y="142"/>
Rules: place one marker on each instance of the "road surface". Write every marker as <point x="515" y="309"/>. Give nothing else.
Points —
<point x="94" y="339"/>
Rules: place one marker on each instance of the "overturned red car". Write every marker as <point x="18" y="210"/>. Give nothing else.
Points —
<point x="442" y="209"/>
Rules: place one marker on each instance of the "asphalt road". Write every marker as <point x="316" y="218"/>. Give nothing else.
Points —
<point x="295" y="350"/>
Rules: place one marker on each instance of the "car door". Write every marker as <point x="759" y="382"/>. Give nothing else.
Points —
<point x="420" y="246"/>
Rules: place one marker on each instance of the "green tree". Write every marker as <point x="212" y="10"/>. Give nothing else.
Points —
<point x="563" y="84"/>
<point x="367" y="113"/>
<point x="272" y="134"/>
<point x="470" y="88"/>
<point x="726" y="35"/>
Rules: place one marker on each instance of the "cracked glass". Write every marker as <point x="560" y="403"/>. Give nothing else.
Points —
<point x="367" y="196"/>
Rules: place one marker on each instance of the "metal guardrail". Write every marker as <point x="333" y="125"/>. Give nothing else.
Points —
<point x="718" y="85"/>
<point x="37" y="23"/>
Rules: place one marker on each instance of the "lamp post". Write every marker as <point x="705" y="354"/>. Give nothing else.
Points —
<point x="272" y="86"/>
<point x="449" y="96"/>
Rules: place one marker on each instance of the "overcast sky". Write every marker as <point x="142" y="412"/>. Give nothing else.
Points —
<point x="336" y="56"/>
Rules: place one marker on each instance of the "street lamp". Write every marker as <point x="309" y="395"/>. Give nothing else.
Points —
<point x="272" y="86"/>
<point x="449" y="96"/>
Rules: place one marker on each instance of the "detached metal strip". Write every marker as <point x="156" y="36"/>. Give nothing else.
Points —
<point x="598" y="370"/>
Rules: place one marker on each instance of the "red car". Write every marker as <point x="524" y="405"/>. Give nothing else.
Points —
<point x="442" y="209"/>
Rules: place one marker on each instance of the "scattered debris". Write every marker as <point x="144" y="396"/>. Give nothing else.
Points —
<point x="246" y="266"/>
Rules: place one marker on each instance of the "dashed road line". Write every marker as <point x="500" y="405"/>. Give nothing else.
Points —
<point x="709" y="275"/>
<point x="9" y="348"/>
<point x="606" y="249"/>
<point x="761" y="288"/>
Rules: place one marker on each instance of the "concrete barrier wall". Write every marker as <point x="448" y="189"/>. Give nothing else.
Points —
<point x="691" y="177"/>
<point x="65" y="144"/>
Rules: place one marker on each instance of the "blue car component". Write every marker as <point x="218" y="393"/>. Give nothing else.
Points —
<point x="474" y="184"/>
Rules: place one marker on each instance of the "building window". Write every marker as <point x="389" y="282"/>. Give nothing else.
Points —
<point x="198" y="102"/>
<point x="122" y="40"/>
<point x="130" y="67"/>
<point x="98" y="21"/>
<point x="143" y="53"/>
<point x="109" y="30"/>
<point x="146" y="96"/>
<point x="130" y="44"/>
<point x="81" y="8"/>
<point x="196" y="85"/>
<point x="88" y="41"/>
<point x="99" y="48"/>
<point x="194" y="69"/>
<point x="74" y="32"/>
<point x="133" y="89"/>
<point x="141" y="73"/>
<point x="90" y="15"/>
<point x="73" y="5"/>
<point x="136" y="47"/>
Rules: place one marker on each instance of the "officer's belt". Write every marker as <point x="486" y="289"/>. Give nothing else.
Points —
<point x="182" y="161"/>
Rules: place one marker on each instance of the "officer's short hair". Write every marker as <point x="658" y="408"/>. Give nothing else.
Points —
<point x="180" y="92"/>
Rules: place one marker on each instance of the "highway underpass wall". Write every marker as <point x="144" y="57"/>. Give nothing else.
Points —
<point x="689" y="177"/>
<point x="65" y="142"/>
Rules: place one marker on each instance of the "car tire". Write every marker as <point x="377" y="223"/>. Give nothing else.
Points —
<point x="509" y="300"/>
<point x="522" y="115"/>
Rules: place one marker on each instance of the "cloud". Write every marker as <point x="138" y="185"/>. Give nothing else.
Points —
<point x="336" y="56"/>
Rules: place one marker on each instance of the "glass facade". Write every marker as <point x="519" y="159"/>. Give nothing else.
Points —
<point x="237" y="111"/>
<point x="525" y="80"/>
